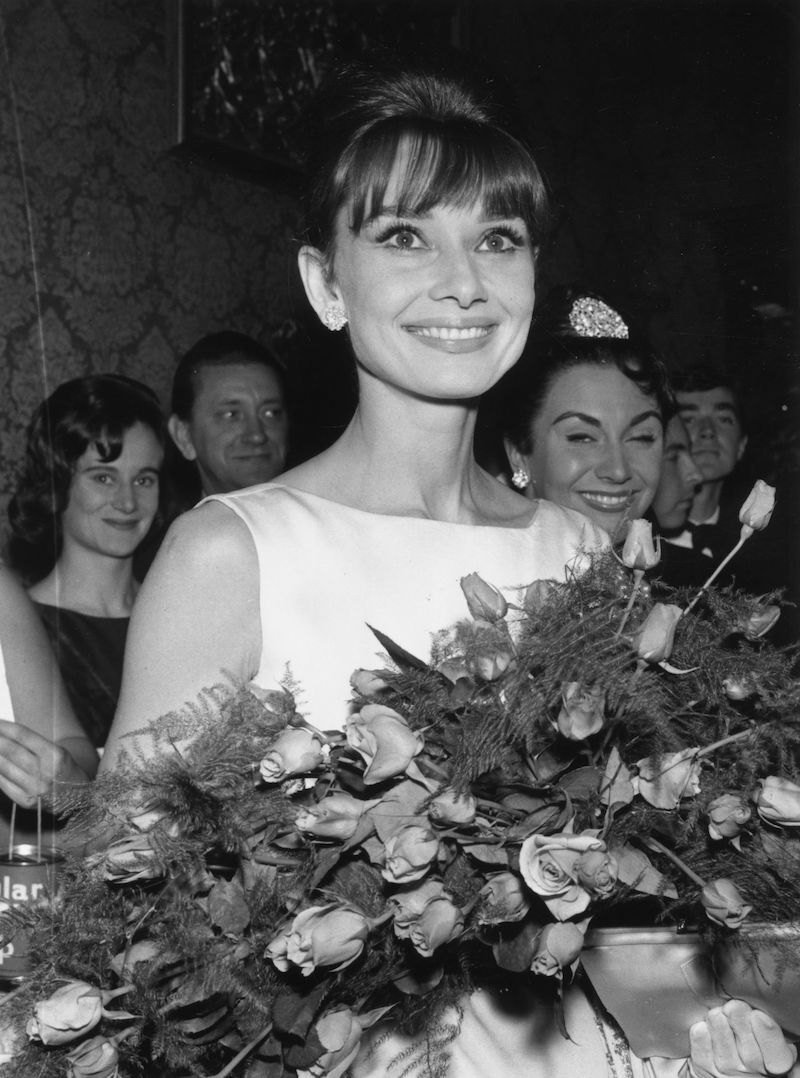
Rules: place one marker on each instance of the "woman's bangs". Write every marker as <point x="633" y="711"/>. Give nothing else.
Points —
<point x="438" y="164"/>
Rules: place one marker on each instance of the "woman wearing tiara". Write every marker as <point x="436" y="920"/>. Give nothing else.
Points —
<point x="583" y="413"/>
<point x="423" y="220"/>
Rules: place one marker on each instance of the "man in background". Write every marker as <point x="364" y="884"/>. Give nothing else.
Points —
<point x="680" y="565"/>
<point x="708" y="405"/>
<point x="229" y="426"/>
<point x="229" y="418"/>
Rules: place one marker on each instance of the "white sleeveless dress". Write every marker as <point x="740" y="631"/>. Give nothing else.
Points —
<point x="327" y="573"/>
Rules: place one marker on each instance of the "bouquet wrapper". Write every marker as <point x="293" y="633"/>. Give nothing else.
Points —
<point x="655" y="982"/>
<point x="761" y="965"/>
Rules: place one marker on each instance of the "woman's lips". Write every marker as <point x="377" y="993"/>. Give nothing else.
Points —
<point x="455" y="340"/>
<point x="607" y="503"/>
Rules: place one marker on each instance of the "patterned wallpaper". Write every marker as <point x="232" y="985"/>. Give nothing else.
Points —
<point x="664" y="142"/>
<point x="117" y="253"/>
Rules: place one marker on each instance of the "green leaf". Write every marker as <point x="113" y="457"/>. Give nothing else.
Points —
<point x="294" y="1012"/>
<point x="402" y="657"/>
<point x="227" y="907"/>
<point x="517" y="945"/>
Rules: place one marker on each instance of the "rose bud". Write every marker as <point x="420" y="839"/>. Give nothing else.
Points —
<point x="596" y="870"/>
<point x="66" y="1015"/>
<point x="410" y="853"/>
<point x="96" y="1058"/>
<point x="485" y="601"/>
<point x="664" y="781"/>
<point x="739" y="688"/>
<point x="439" y="923"/>
<point x="340" y="1034"/>
<point x="656" y="636"/>
<point x="557" y="948"/>
<point x="502" y="900"/>
<point x="490" y="663"/>
<point x="448" y="807"/>
<point x="582" y="711"/>
<point x="538" y="595"/>
<point x="778" y="801"/>
<point x="548" y="864"/>
<point x="296" y="752"/>
<point x="639" y="551"/>
<point x="384" y="741"/>
<point x="368" y="682"/>
<point x="330" y="937"/>
<point x="129" y="859"/>
<point x="408" y="906"/>
<point x="723" y="904"/>
<point x="760" y="621"/>
<point x="757" y="509"/>
<point x="334" y="817"/>
<point x="727" y="815"/>
<point x="454" y="670"/>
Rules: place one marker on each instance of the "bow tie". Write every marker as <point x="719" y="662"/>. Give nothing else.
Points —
<point x="704" y="536"/>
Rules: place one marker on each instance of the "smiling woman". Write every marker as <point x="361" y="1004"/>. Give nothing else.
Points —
<point x="583" y="414"/>
<point x="87" y="498"/>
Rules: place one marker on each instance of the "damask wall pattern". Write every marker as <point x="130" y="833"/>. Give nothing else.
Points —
<point x="117" y="253"/>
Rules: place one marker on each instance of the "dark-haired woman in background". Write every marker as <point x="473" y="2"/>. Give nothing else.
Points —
<point x="583" y="413"/>
<point x="87" y="497"/>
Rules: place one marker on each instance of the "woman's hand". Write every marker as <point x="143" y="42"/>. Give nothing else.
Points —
<point x="737" y="1041"/>
<point x="31" y="766"/>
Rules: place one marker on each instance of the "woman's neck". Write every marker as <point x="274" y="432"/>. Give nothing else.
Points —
<point x="89" y="584"/>
<point x="412" y="458"/>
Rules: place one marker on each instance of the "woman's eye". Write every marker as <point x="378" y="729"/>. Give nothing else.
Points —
<point x="102" y="477"/>
<point x="645" y="438"/>
<point x="406" y="239"/>
<point x="500" y="240"/>
<point x="147" y="480"/>
<point x="579" y="438"/>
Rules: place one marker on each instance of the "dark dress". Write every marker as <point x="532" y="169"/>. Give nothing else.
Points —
<point x="89" y="651"/>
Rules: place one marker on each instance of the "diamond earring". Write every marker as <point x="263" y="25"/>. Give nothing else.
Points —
<point x="334" y="317"/>
<point x="520" y="479"/>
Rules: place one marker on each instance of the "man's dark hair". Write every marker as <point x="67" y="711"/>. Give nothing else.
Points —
<point x="217" y="350"/>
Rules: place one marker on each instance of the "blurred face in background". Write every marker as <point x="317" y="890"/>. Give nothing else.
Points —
<point x="715" y="430"/>
<point x="112" y="503"/>
<point x="238" y="429"/>
<point x="680" y="478"/>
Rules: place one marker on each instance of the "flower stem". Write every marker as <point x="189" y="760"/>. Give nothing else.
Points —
<point x="637" y="579"/>
<point x="229" y="1068"/>
<point x="716" y="572"/>
<point x="724" y="741"/>
<point x="654" y="844"/>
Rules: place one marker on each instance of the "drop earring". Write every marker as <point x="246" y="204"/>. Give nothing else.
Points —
<point x="333" y="317"/>
<point x="520" y="479"/>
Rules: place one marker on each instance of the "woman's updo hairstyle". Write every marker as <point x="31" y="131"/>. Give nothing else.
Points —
<point x="93" y="411"/>
<point x="447" y="127"/>
<point x="573" y="328"/>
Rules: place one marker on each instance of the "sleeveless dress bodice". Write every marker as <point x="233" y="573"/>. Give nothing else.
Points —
<point x="328" y="572"/>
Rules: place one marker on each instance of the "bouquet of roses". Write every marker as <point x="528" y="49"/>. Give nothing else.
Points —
<point x="604" y="750"/>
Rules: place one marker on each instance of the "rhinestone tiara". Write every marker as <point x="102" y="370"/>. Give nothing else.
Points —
<point x="590" y="317"/>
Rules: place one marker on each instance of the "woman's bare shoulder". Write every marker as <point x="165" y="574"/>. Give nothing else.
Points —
<point x="207" y="533"/>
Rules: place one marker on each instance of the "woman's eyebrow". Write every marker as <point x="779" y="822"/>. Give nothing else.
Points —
<point x="595" y="422"/>
<point x="592" y="420"/>
<point x="651" y="413"/>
